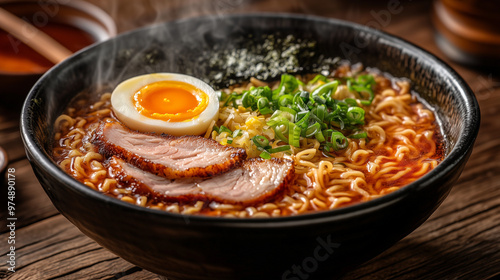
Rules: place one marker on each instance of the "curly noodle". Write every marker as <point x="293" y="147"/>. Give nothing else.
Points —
<point x="403" y="144"/>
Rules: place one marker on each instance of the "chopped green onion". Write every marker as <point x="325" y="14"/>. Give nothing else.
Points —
<point x="222" y="95"/>
<point x="319" y="99"/>
<point x="279" y="149"/>
<point x="363" y="84"/>
<point x="302" y="123"/>
<point x="303" y="94"/>
<point x="263" y="106"/>
<point x="237" y="133"/>
<point x="294" y="135"/>
<point x="351" y="101"/>
<point x="289" y="110"/>
<point x="319" y="136"/>
<point x="358" y="135"/>
<point x="265" y="92"/>
<point x="216" y="129"/>
<point x="312" y="130"/>
<point x="265" y="155"/>
<point x="231" y="99"/>
<point x="339" y="141"/>
<point x="318" y="78"/>
<point x="280" y="131"/>
<point x="327" y="88"/>
<point x="288" y="84"/>
<point x="313" y="118"/>
<point x="327" y="148"/>
<point x="280" y="117"/>
<point x="224" y="129"/>
<point x="320" y="112"/>
<point x="260" y="141"/>
<point x="297" y="113"/>
<point x="327" y="133"/>
<point x="267" y="150"/>
<point x="301" y="115"/>
<point x="285" y="100"/>
<point x="356" y="115"/>
<point x="247" y="100"/>
<point x="299" y="103"/>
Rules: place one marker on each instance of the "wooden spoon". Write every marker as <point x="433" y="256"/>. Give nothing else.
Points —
<point x="35" y="38"/>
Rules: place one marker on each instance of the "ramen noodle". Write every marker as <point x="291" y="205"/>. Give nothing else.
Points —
<point x="402" y="143"/>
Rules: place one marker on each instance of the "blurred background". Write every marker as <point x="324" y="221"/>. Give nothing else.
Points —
<point x="460" y="241"/>
<point x="461" y="31"/>
<point x="467" y="30"/>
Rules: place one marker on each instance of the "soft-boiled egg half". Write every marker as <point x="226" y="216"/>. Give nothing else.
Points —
<point x="168" y="103"/>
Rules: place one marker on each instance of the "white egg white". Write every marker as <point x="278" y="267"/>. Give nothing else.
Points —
<point x="124" y="108"/>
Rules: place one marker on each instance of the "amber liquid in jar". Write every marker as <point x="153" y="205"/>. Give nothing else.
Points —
<point x="16" y="57"/>
<point x="468" y="30"/>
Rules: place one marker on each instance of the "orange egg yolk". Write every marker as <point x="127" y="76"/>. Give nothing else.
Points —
<point x="171" y="101"/>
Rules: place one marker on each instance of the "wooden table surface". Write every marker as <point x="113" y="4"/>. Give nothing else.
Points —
<point x="461" y="240"/>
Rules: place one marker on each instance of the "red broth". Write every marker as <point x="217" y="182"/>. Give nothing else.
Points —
<point x="403" y="143"/>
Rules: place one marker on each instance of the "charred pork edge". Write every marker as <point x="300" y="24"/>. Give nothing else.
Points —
<point x="143" y="189"/>
<point x="276" y="192"/>
<point x="138" y="187"/>
<point x="109" y="149"/>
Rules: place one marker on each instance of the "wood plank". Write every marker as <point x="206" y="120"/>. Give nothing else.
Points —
<point x="459" y="241"/>
<point x="63" y="252"/>
<point x="427" y="257"/>
<point x="143" y="274"/>
<point x="471" y="243"/>
<point x="8" y="123"/>
<point x="11" y="142"/>
<point x="133" y="274"/>
<point x="8" y="113"/>
<point x="32" y="204"/>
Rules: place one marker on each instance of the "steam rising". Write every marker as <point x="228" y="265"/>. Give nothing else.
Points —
<point x="220" y="54"/>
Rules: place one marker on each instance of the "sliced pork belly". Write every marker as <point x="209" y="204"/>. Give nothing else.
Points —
<point x="165" y="155"/>
<point x="143" y="183"/>
<point x="256" y="181"/>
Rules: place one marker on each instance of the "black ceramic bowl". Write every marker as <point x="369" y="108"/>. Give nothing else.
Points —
<point x="320" y="245"/>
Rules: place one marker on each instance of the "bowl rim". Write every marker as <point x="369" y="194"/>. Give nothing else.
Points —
<point x="456" y="155"/>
